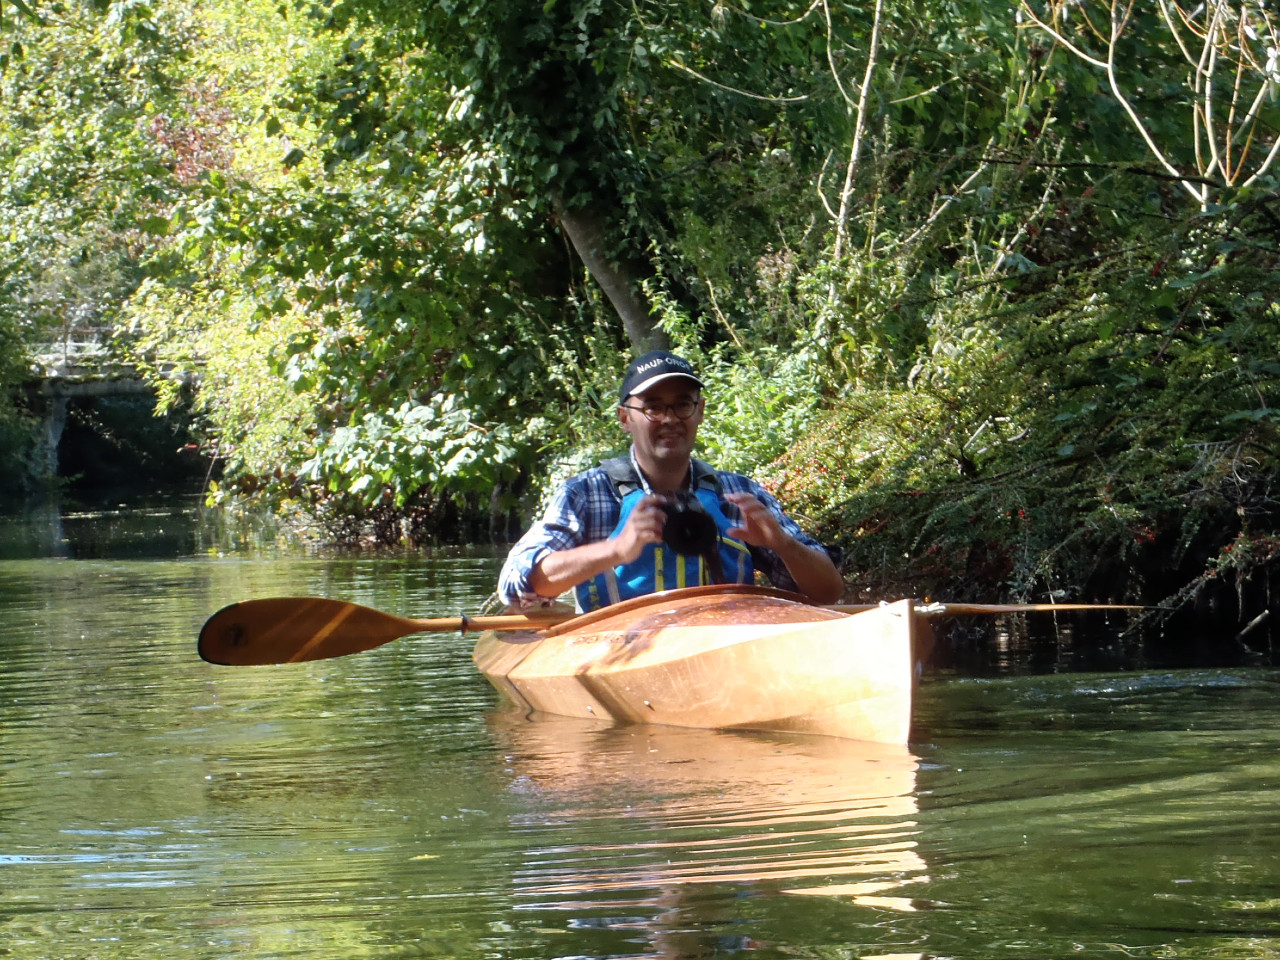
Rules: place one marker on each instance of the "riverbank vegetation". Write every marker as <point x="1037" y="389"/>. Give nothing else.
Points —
<point x="986" y="293"/>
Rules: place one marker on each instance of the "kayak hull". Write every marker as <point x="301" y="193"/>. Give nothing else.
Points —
<point x="736" y="657"/>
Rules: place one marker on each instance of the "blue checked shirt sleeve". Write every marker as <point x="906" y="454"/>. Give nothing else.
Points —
<point x="766" y="561"/>
<point x="583" y="510"/>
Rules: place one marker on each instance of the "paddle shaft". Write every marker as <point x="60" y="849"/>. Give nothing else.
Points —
<point x="292" y="629"/>
<point x="932" y="610"/>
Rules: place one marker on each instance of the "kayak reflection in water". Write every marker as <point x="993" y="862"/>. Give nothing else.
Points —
<point x="625" y="824"/>
<point x="657" y="518"/>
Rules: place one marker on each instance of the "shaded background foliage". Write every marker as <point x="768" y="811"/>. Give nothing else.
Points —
<point x="978" y="310"/>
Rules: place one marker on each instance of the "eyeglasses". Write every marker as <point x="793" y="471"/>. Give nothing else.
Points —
<point x="653" y="412"/>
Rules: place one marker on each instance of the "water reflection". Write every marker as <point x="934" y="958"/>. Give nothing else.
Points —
<point x="370" y="806"/>
<point x="62" y="528"/>
<point x="660" y="813"/>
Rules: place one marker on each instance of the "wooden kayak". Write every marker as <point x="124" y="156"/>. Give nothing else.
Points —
<point x="718" y="657"/>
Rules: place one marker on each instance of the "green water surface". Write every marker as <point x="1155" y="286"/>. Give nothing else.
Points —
<point x="387" y="805"/>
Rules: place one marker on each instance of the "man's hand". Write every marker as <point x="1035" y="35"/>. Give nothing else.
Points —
<point x="757" y="525"/>
<point x="811" y="569"/>
<point x="643" y="526"/>
<point x="563" y="569"/>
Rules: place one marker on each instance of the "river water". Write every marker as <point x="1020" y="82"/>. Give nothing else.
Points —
<point x="387" y="805"/>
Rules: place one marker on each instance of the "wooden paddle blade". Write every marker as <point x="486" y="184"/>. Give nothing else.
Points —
<point x="292" y="629"/>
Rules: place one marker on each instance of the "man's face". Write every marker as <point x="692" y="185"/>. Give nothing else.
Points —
<point x="668" y="441"/>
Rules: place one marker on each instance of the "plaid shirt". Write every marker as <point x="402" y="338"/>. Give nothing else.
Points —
<point x="587" y="508"/>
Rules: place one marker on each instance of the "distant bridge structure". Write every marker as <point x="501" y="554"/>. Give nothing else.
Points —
<point x="73" y="369"/>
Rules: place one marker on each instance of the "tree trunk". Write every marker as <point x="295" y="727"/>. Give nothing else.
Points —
<point x="620" y="281"/>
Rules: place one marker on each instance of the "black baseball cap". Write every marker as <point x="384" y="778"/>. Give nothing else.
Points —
<point x="653" y="367"/>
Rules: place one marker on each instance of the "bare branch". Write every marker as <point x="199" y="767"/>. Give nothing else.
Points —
<point x="822" y="193"/>
<point x="740" y="92"/>
<point x="1060" y="38"/>
<point x="720" y="7"/>
<point x="1176" y="33"/>
<point x="1120" y="16"/>
<point x="831" y="61"/>
<point x="1117" y="28"/>
<point x="859" y="130"/>
<point x="951" y="198"/>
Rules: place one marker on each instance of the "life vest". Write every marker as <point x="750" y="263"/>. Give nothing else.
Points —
<point x="659" y="567"/>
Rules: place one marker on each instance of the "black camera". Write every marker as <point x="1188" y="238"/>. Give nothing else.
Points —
<point x="689" y="530"/>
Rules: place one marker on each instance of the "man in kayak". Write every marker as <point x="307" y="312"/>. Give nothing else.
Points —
<point x="602" y="534"/>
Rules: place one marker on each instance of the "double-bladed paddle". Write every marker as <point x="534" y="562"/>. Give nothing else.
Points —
<point x="293" y="629"/>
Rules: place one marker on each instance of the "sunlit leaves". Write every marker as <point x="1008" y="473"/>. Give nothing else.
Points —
<point x="436" y="446"/>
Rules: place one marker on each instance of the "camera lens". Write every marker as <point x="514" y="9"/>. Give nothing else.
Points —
<point x="689" y="529"/>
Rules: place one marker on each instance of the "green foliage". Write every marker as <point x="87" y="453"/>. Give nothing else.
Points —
<point x="1120" y="425"/>
<point x="427" y="291"/>
<point x="409" y="231"/>
<point x="17" y="431"/>
<point x="390" y="457"/>
<point x="758" y="403"/>
<point x="253" y="421"/>
<point x="991" y="349"/>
